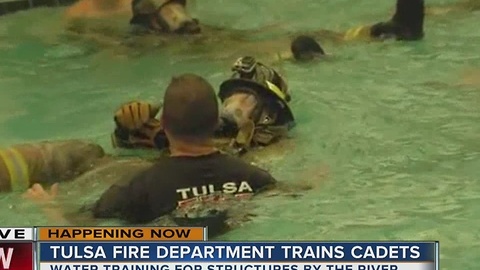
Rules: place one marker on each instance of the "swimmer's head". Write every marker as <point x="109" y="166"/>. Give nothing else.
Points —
<point x="190" y="109"/>
<point x="305" y="48"/>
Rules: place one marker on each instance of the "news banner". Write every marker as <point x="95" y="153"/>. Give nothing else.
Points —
<point x="178" y="248"/>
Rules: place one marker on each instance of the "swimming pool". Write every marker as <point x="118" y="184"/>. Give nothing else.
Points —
<point x="391" y="122"/>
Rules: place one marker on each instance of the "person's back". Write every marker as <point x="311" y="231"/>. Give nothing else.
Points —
<point x="194" y="170"/>
<point x="176" y="181"/>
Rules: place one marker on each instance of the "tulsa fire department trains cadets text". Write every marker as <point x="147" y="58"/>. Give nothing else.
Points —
<point x="121" y="234"/>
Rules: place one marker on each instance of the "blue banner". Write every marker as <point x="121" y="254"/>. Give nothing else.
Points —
<point x="238" y="252"/>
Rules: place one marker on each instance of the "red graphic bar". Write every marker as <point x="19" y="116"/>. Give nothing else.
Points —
<point x="16" y="256"/>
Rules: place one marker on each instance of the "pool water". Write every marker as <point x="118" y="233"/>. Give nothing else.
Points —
<point x="393" y="123"/>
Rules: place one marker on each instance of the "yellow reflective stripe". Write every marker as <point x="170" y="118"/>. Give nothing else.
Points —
<point x="272" y="87"/>
<point x="17" y="168"/>
<point x="354" y="32"/>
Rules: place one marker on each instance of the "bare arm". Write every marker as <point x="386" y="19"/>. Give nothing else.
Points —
<point x="52" y="208"/>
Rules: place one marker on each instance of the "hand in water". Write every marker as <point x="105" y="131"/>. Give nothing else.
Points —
<point x="38" y="194"/>
<point x="45" y="198"/>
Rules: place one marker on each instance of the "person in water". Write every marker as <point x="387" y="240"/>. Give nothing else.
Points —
<point x="170" y="16"/>
<point x="255" y="104"/>
<point x="194" y="170"/>
<point x="254" y="111"/>
<point x="405" y="25"/>
<point x="45" y="162"/>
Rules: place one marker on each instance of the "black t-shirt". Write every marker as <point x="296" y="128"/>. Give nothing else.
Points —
<point x="173" y="181"/>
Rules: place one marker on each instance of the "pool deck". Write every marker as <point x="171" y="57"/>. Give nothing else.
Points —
<point x="11" y="6"/>
<point x="30" y="2"/>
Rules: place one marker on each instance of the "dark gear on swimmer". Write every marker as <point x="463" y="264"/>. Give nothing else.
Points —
<point x="406" y="24"/>
<point x="166" y="16"/>
<point x="255" y="104"/>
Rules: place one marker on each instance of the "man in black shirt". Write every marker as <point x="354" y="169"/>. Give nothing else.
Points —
<point x="195" y="169"/>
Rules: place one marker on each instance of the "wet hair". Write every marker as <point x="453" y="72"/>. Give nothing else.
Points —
<point x="190" y="108"/>
<point x="305" y="48"/>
